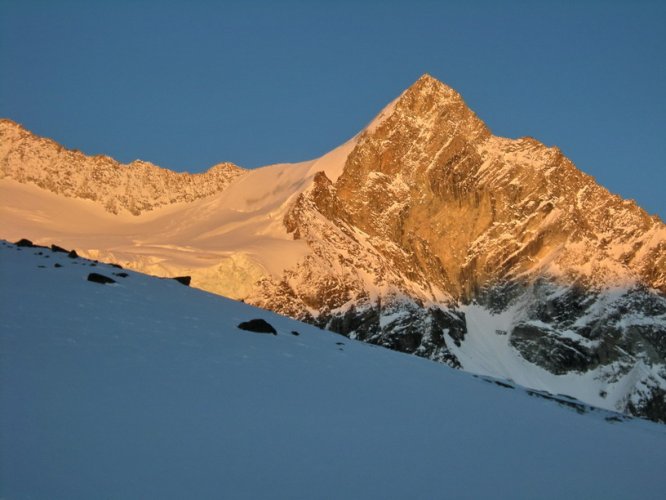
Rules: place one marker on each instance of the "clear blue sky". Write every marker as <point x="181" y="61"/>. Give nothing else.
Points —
<point x="190" y="84"/>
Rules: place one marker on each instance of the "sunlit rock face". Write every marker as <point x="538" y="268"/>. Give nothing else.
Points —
<point x="470" y="209"/>
<point x="432" y="213"/>
<point x="424" y="233"/>
<point x="137" y="187"/>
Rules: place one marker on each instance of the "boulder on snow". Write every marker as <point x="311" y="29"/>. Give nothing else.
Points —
<point x="56" y="248"/>
<point x="258" y="326"/>
<point x="100" y="278"/>
<point x="24" y="243"/>
<point x="185" y="280"/>
<point x="73" y="255"/>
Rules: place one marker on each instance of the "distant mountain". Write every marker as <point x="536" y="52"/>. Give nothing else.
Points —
<point x="424" y="233"/>
<point x="145" y="388"/>
<point x="136" y="188"/>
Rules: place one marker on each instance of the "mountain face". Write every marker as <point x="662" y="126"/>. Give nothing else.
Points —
<point x="424" y="233"/>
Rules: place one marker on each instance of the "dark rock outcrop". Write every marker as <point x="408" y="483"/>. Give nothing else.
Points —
<point x="184" y="280"/>
<point x="23" y="242"/>
<point x="557" y="354"/>
<point x="100" y="278"/>
<point x="258" y="326"/>
<point x="59" y="249"/>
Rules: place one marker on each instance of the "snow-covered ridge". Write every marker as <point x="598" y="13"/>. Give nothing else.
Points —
<point x="137" y="187"/>
<point x="145" y="388"/>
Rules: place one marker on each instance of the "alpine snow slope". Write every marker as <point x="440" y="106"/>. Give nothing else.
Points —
<point x="145" y="388"/>
<point x="423" y="233"/>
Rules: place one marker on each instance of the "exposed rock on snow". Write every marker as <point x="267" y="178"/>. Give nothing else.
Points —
<point x="183" y="280"/>
<point x="56" y="248"/>
<point x="258" y="325"/>
<point x="100" y="278"/>
<point x="23" y="242"/>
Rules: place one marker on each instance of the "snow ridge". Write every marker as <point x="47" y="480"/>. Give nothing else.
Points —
<point x="137" y="187"/>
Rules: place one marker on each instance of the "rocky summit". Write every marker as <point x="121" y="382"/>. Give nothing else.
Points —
<point x="424" y="233"/>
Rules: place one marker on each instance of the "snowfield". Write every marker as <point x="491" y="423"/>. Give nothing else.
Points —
<point x="146" y="388"/>
<point x="227" y="241"/>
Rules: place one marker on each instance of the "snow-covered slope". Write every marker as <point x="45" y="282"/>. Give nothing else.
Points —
<point x="424" y="233"/>
<point x="146" y="388"/>
<point x="226" y="242"/>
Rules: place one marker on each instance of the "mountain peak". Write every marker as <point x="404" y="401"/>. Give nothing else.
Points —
<point x="430" y="88"/>
<point x="427" y="81"/>
<point x="428" y="109"/>
<point x="425" y="117"/>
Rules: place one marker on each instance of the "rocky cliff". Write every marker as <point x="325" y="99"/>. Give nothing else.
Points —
<point x="432" y="214"/>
